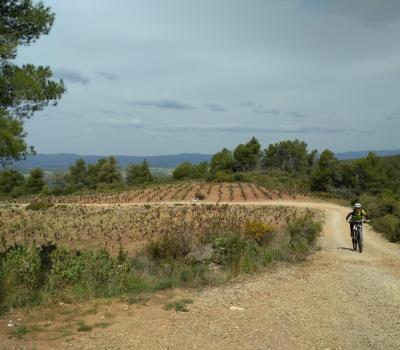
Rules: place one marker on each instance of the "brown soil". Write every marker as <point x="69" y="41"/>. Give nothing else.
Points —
<point x="338" y="299"/>
<point x="184" y="191"/>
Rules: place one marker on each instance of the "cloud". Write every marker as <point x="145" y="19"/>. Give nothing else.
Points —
<point x="108" y="75"/>
<point x="71" y="75"/>
<point x="107" y="111"/>
<point x="297" y="115"/>
<point x="260" y="110"/>
<point x="247" y="104"/>
<point x="394" y="116"/>
<point x="215" y="107"/>
<point x="118" y="123"/>
<point x="237" y="128"/>
<point x="368" y="11"/>
<point x="164" y="103"/>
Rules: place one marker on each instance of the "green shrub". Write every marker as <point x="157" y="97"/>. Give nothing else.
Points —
<point x="21" y="276"/>
<point x="303" y="233"/>
<point x="228" y="248"/>
<point x="377" y="206"/>
<point x="304" y="227"/>
<point x="39" y="206"/>
<point x="99" y="267"/>
<point x="389" y="225"/>
<point x="67" y="269"/>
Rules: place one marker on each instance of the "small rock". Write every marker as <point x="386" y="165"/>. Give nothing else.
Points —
<point x="202" y="253"/>
<point x="236" y="308"/>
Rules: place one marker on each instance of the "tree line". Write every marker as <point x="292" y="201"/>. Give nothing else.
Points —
<point x="81" y="176"/>
<point x="319" y="172"/>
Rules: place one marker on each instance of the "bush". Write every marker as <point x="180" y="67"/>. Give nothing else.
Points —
<point x="260" y="232"/>
<point x="99" y="268"/>
<point x="21" y="276"/>
<point x="377" y="206"/>
<point x="228" y="248"/>
<point x="389" y="225"/>
<point x="91" y="273"/>
<point x="303" y="233"/>
<point x="169" y="246"/>
<point x="39" y="206"/>
<point x="199" y="196"/>
<point x="67" y="269"/>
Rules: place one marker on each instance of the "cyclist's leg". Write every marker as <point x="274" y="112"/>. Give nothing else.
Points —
<point x="351" y="229"/>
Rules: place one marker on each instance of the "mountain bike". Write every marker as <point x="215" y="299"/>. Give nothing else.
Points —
<point x="358" y="237"/>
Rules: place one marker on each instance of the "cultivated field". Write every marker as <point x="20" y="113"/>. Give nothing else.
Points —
<point x="129" y="227"/>
<point x="212" y="192"/>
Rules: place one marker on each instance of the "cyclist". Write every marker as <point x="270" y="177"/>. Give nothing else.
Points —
<point x="358" y="214"/>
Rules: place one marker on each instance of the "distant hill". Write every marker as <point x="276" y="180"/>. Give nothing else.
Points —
<point x="62" y="161"/>
<point x="362" y="154"/>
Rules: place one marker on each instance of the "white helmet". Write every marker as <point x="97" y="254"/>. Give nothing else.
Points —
<point x="357" y="206"/>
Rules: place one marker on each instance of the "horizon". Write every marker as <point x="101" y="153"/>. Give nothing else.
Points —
<point x="197" y="153"/>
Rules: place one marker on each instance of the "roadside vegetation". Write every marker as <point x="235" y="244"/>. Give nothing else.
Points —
<point x="198" y="246"/>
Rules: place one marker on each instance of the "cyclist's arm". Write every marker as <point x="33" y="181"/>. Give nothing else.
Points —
<point x="349" y="215"/>
<point x="365" y="215"/>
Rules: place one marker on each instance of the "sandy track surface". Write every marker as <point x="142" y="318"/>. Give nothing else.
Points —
<point x="338" y="299"/>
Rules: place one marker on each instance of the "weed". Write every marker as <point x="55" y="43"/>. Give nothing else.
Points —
<point x="133" y="299"/>
<point x="82" y="327"/>
<point x="65" y="332"/>
<point x="102" y="324"/>
<point x="179" y="306"/>
<point x="21" y="331"/>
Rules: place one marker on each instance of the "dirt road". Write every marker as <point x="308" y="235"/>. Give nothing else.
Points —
<point x="338" y="299"/>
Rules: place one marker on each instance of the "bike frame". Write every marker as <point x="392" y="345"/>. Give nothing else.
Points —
<point x="358" y="234"/>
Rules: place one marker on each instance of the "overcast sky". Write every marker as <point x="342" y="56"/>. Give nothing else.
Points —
<point x="172" y="76"/>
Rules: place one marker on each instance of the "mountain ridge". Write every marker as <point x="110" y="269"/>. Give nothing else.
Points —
<point x="62" y="161"/>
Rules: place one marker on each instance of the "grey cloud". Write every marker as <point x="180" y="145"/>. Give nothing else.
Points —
<point x="369" y="11"/>
<point x="247" y="104"/>
<point x="215" y="107"/>
<point x="296" y="115"/>
<point x="71" y="75"/>
<point x="118" y="123"/>
<point x="163" y="103"/>
<point x="107" y="111"/>
<point x="260" y="110"/>
<point x="108" y="75"/>
<point x="237" y="128"/>
<point x="395" y="116"/>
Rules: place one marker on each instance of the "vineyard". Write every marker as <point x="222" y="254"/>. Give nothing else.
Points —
<point x="129" y="227"/>
<point x="209" y="192"/>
